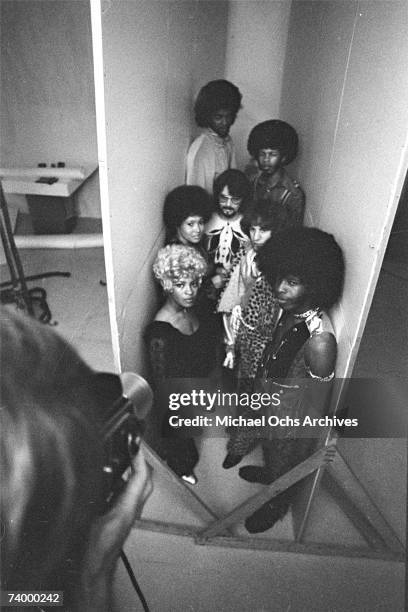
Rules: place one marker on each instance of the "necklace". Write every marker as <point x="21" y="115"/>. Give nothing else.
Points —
<point x="308" y="313"/>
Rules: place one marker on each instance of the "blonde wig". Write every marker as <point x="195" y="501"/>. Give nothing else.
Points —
<point x="176" y="262"/>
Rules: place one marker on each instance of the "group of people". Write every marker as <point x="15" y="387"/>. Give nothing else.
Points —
<point x="240" y="276"/>
<point x="247" y="286"/>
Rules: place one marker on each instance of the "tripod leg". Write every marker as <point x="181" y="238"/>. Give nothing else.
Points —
<point x="9" y="257"/>
<point x="38" y="276"/>
<point x="12" y="255"/>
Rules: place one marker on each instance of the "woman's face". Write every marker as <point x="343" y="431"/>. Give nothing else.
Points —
<point x="259" y="235"/>
<point x="292" y="294"/>
<point x="191" y="230"/>
<point x="184" y="291"/>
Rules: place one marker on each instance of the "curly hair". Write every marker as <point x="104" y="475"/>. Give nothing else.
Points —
<point x="237" y="183"/>
<point x="269" y="215"/>
<point x="182" y="202"/>
<point x="214" y="96"/>
<point x="177" y="261"/>
<point x="274" y="134"/>
<point x="309" y="254"/>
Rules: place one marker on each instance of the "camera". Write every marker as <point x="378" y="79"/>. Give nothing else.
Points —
<point x="122" y="430"/>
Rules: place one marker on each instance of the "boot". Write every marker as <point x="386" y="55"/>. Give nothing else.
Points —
<point x="255" y="473"/>
<point x="231" y="460"/>
<point x="266" y="516"/>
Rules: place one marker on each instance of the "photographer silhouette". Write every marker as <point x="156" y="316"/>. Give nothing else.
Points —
<point x="54" y="537"/>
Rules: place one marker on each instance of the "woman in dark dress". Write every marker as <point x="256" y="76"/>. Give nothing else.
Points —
<point x="180" y="345"/>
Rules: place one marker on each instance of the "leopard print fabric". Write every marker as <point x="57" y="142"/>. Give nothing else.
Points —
<point x="259" y="320"/>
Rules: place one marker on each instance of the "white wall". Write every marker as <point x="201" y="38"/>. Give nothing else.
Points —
<point x="156" y="55"/>
<point x="345" y="90"/>
<point x="256" y="47"/>
<point x="47" y="93"/>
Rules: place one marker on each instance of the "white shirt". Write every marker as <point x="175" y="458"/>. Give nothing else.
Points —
<point x="208" y="156"/>
<point x="223" y="238"/>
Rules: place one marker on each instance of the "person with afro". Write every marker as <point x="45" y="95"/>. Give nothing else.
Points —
<point x="211" y="153"/>
<point x="186" y="210"/>
<point x="273" y="144"/>
<point x="305" y="268"/>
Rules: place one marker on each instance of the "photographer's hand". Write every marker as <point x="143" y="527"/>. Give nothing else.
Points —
<point x="108" y="535"/>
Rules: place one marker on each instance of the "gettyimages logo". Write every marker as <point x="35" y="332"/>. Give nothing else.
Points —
<point x="209" y="401"/>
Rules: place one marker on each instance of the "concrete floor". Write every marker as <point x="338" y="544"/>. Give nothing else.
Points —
<point x="78" y="304"/>
<point x="176" y="575"/>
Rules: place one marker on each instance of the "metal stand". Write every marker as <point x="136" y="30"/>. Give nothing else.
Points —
<point x="16" y="290"/>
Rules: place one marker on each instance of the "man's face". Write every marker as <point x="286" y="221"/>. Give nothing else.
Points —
<point x="221" y="121"/>
<point x="292" y="294"/>
<point x="229" y="205"/>
<point x="269" y="160"/>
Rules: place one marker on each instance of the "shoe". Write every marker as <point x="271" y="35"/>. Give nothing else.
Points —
<point x="266" y="517"/>
<point x="189" y="478"/>
<point x="254" y="473"/>
<point x="231" y="460"/>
